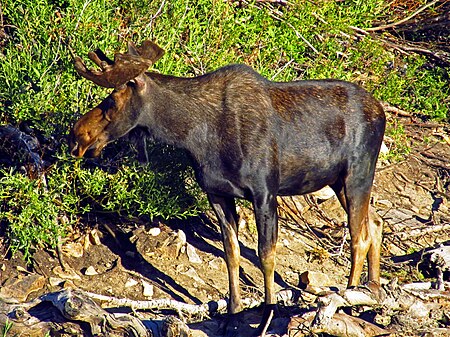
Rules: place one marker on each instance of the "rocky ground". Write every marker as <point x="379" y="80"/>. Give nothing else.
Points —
<point x="183" y="260"/>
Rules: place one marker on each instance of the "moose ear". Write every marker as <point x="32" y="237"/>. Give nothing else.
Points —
<point x="139" y="82"/>
<point x="132" y="49"/>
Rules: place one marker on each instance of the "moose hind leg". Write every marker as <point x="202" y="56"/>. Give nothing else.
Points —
<point x="365" y="237"/>
<point x="374" y="253"/>
<point x="225" y="210"/>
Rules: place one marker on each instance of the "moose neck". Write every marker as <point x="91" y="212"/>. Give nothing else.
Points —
<point x="180" y="111"/>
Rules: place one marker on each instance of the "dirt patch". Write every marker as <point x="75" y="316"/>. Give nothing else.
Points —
<point x="183" y="260"/>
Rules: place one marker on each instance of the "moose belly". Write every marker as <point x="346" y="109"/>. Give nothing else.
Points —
<point x="308" y="178"/>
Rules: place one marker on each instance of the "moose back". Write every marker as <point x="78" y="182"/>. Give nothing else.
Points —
<point x="249" y="138"/>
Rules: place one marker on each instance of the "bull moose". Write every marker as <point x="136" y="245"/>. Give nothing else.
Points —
<point x="248" y="138"/>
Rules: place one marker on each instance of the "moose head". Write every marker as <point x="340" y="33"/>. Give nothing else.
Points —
<point x="118" y="113"/>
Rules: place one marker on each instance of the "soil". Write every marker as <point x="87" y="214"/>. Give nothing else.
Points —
<point x="183" y="260"/>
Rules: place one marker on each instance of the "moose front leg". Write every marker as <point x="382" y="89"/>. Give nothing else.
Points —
<point x="267" y="224"/>
<point x="225" y="210"/>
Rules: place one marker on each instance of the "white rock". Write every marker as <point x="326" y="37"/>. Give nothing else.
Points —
<point x="384" y="149"/>
<point x="148" y="289"/>
<point x="315" y="279"/>
<point x="130" y="283"/>
<point x="155" y="231"/>
<point x="324" y="193"/>
<point x="217" y="263"/>
<point x="69" y="273"/>
<point x="90" y="271"/>
<point x="74" y="249"/>
<point x="55" y="281"/>
<point x="94" y="237"/>
<point x="192" y="254"/>
<point x="193" y="274"/>
<point x="181" y="237"/>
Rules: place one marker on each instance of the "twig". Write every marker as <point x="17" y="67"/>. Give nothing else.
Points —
<point x="399" y="112"/>
<point x="81" y="14"/>
<point x="407" y="233"/>
<point x="158" y="13"/>
<point x="418" y="50"/>
<point x="429" y="163"/>
<point x="295" y="31"/>
<point x="282" y="69"/>
<point x="59" y="252"/>
<point x="266" y="326"/>
<point x="420" y="10"/>
<point x="404" y="49"/>
<point x="442" y="194"/>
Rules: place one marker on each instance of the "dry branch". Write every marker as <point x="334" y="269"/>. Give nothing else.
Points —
<point x="391" y="25"/>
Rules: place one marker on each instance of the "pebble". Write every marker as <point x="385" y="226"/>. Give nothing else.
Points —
<point x="130" y="283"/>
<point x="192" y="254"/>
<point x="90" y="271"/>
<point x="148" y="289"/>
<point x="155" y="231"/>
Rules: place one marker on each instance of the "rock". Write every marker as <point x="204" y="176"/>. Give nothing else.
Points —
<point x="20" y="288"/>
<point x="218" y="263"/>
<point x="68" y="273"/>
<point x="384" y="149"/>
<point x="94" y="237"/>
<point x="324" y="193"/>
<point x="174" y="244"/>
<point x="130" y="254"/>
<point x="155" y="231"/>
<point x="174" y="327"/>
<point x="193" y="274"/>
<point x="130" y="283"/>
<point x="192" y="254"/>
<point x="90" y="271"/>
<point x="74" y="249"/>
<point x="315" y="279"/>
<point x="55" y="281"/>
<point x="148" y="289"/>
<point x="182" y="237"/>
<point x="384" y="203"/>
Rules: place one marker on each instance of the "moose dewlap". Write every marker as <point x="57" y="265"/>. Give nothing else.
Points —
<point x="248" y="138"/>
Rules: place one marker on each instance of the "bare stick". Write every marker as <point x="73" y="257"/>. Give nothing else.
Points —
<point x="420" y="10"/>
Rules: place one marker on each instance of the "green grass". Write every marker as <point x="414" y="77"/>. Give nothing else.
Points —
<point x="38" y="85"/>
<point x="5" y="329"/>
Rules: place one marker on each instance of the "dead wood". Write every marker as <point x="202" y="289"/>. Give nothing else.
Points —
<point x="439" y="260"/>
<point x="340" y="324"/>
<point x="394" y="24"/>
<point x="15" y="143"/>
<point x="52" y="312"/>
<point x="73" y="308"/>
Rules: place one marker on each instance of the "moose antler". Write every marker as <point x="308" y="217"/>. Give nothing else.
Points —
<point x="124" y="68"/>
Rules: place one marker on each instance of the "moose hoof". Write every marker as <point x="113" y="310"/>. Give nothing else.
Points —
<point x="377" y="291"/>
